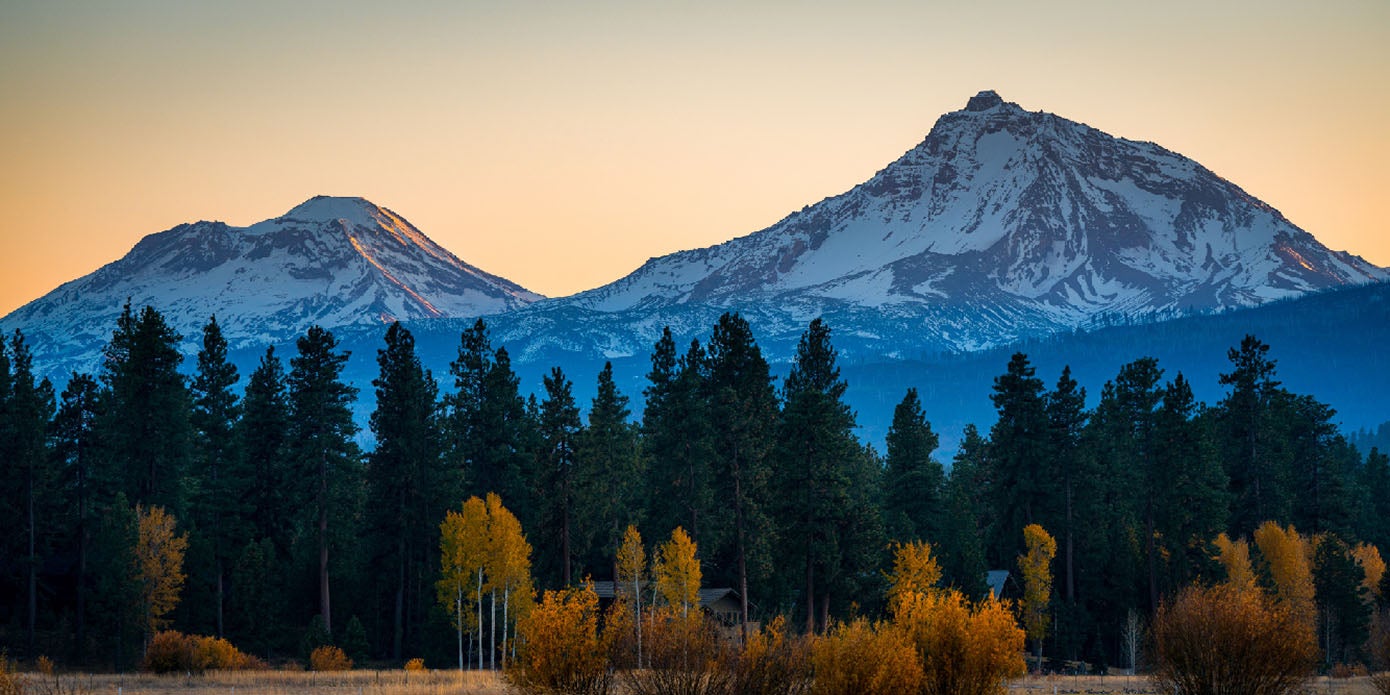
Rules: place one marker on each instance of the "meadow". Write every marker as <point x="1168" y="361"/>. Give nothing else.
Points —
<point x="450" y="682"/>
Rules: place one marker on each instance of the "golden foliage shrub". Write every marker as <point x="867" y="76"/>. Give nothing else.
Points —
<point x="559" y="648"/>
<point x="11" y="683"/>
<point x="171" y="651"/>
<point x="414" y="665"/>
<point x="684" y="655"/>
<point x="859" y="658"/>
<point x="1225" y="640"/>
<point x="773" y="663"/>
<point x="329" y="658"/>
<point x="964" y="649"/>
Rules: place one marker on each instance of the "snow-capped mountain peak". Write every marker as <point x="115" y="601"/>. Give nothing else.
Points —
<point x="331" y="261"/>
<point x="1005" y="223"/>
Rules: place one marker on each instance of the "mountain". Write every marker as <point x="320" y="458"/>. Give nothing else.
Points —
<point x="1003" y="224"/>
<point x="329" y="261"/>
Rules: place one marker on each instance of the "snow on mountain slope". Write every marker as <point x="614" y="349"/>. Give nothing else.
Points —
<point x="329" y="261"/>
<point x="1039" y="222"/>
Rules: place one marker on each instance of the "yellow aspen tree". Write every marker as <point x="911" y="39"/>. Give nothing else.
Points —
<point x="509" y="563"/>
<point x="1289" y="557"/>
<point x="631" y="565"/>
<point x="159" y="552"/>
<point x="678" y="572"/>
<point x="1035" y="565"/>
<point x="1368" y="556"/>
<point x="1235" y="557"/>
<point x="915" y="572"/>
<point x="462" y="556"/>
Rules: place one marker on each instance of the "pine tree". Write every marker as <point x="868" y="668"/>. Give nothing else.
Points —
<point x="1257" y="476"/>
<point x="820" y="482"/>
<point x="1066" y="420"/>
<point x="145" y="427"/>
<point x="25" y="412"/>
<point x="913" y="505"/>
<point x="742" y="401"/>
<point x="610" y="476"/>
<point x="1020" y="489"/>
<point x="466" y="406"/>
<point x="676" y="440"/>
<point x="962" y="546"/>
<point x="81" y="485"/>
<point x="1191" y="489"/>
<point x="406" y="480"/>
<point x="321" y="445"/>
<point x="560" y="432"/>
<point x="1375" y="509"/>
<point x="262" y="436"/>
<point x="1342" y="601"/>
<point x="219" y="512"/>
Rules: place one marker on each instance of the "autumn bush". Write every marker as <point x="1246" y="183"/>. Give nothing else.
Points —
<point x="684" y="655"/>
<point x="1225" y="639"/>
<point x="416" y="664"/>
<point x="964" y="649"/>
<point x="772" y="662"/>
<point x="11" y="683"/>
<point x="560" y="650"/>
<point x="329" y="658"/>
<point x="863" y="658"/>
<point x="170" y="651"/>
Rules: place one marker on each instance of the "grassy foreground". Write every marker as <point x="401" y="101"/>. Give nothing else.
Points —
<point x="449" y="682"/>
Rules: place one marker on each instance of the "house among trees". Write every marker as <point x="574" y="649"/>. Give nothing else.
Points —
<point x="722" y="604"/>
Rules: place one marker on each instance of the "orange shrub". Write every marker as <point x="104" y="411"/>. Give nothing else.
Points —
<point x="964" y="650"/>
<point x="416" y="664"/>
<point x="10" y="681"/>
<point x="329" y="658"/>
<point x="683" y="653"/>
<point x="772" y="663"/>
<point x="1224" y="640"/>
<point x="559" y="648"/>
<point x="859" y="658"/>
<point x="171" y="651"/>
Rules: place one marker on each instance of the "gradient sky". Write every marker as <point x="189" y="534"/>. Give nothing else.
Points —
<point x="562" y="144"/>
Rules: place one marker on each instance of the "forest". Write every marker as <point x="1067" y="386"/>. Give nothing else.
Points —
<point x="297" y="530"/>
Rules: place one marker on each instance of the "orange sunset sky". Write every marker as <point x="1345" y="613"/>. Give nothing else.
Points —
<point x="560" y="144"/>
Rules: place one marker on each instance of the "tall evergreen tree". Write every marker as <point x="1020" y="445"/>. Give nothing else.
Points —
<point x="1343" y="607"/>
<point x="145" y="427"/>
<point x="466" y="406"/>
<point x="262" y="442"/>
<point x="913" y="481"/>
<point x="1021" y="489"/>
<point x="321" y="445"/>
<point x="82" y="486"/>
<point x="560" y="431"/>
<point x="742" y="402"/>
<point x="406" y="481"/>
<point x="609" y="481"/>
<point x="1322" y="465"/>
<point x="1258" y="478"/>
<point x="1190" y="489"/>
<point x="1066" y="419"/>
<point x="676" y="429"/>
<point x="819" y="481"/>
<point x="24" y="417"/>
<point x="962" y="546"/>
<point x="219" y="513"/>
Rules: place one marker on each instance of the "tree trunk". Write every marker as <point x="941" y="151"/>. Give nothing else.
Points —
<point x="506" y="601"/>
<point x="398" y="634"/>
<point x="33" y="567"/>
<point x="221" y="594"/>
<point x="742" y="556"/>
<point x="480" y="620"/>
<point x="492" y="640"/>
<point x="324" y="605"/>
<point x="458" y="613"/>
<point x="810" y="594"/>
<point x="1071" y="584"/>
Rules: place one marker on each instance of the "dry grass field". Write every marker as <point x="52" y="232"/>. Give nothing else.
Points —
<point x="448" y="682"/>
